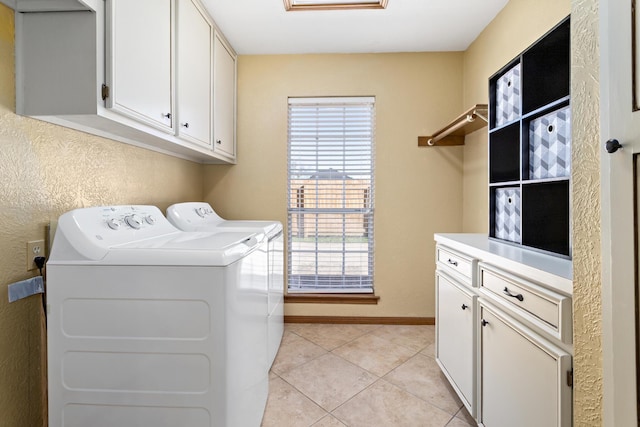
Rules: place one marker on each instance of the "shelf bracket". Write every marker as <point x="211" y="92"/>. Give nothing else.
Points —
<point x="455" y="131"/>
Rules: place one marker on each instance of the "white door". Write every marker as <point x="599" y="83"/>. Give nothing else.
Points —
<point x="194" y="91"/>
<point x="224" y="96"/>
<point x="619" y="121"/>
<point x="139" y="74"/>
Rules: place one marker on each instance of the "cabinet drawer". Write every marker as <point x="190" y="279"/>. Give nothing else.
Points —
<point x="451" y="261"/>
<point x="546" y="309"/>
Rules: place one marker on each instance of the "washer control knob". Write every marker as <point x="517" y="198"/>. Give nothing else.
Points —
<point x="133" y="221"/>
<point x="150" y="219"/>
<point x="201" y="212"/>
<point x="113" y="224"/>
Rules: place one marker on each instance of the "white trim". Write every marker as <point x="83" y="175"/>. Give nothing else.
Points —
<point x="332" y="100"/>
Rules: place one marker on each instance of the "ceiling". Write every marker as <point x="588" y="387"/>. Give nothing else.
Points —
<point x="255" y="27"/>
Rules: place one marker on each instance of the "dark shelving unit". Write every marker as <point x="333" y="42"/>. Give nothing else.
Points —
<point x="530" y="146"/>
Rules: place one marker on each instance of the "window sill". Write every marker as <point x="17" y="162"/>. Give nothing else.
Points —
<point x="332" y="298"/>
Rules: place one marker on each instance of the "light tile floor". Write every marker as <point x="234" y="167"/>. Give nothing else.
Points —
<point x="360" y="375"/>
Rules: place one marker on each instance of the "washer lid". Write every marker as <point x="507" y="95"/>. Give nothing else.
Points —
<point x="187" y="248"/>
<point x="200" y="216"/>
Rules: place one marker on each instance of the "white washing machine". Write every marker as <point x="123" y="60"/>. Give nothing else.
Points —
<point x="152" y="326"/>
<point x="198" y="216"/>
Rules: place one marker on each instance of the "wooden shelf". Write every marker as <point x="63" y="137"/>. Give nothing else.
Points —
<point x="453" y="134"/>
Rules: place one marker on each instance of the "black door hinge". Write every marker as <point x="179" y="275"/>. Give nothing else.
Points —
<point x="570" y="378"/>
<point x="105" y="92"/>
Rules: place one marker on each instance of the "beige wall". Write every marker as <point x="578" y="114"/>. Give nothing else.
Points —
<point x="418" y="191"/>
<point x="46" y="170"/>
<point x="519" y="24"/>
<point x="587" y="269"/>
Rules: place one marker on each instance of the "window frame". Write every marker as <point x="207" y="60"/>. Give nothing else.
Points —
<point x="296" y="282"/>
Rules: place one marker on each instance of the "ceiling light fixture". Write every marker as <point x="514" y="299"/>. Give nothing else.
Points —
<point x="334" y="4"/>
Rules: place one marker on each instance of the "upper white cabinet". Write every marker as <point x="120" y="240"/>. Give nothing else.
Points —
<point x="193" y="67"/>
<point x="224" y="97"/>
<point x="137" y="71"/>
<point x="139" y="74"/>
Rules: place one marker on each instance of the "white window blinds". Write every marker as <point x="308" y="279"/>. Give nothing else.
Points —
<point x="331" y="194"/>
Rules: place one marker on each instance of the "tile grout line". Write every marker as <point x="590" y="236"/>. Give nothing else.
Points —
<point x="348" y="399"/>
<point x="415" y="395"/>
<point x="345" y="343"/>
<point x="303" y="363"/>
<point x="312" y="400"/>
<point x="353" y="397"/>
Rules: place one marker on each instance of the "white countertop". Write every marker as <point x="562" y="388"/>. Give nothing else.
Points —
<point x="552" y="271"/>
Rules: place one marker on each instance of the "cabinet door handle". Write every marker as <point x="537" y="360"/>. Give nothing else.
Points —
<point x="484" y="322"/>
<point x="218" y="141"/>
<point x="168" y="115"/>
<point x="452" y="262"/>
<point x="519" y="297"/>
<point x="186" y="125"/>
<point x="465" y="306"/>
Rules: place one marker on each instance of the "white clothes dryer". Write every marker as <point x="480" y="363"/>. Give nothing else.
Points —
<point x="200" y="216"/>
<point x="152" y="326"/>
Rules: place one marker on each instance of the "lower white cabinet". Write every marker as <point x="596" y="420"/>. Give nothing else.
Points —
<point x="455" y="337"/>
<point x="524" y="379"/>
<point x="503" y="331"/>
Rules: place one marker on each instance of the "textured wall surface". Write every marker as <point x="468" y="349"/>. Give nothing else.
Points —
<point x="519" y="24"/>
<point x="46" y="170"/>
<point x="418" y="190"/>
<point x="587" y="288"/>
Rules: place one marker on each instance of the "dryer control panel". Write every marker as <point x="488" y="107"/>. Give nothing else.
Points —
<point x="193" y="216"/>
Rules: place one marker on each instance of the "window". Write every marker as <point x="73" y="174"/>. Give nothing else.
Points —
<point x="331" y="195"/>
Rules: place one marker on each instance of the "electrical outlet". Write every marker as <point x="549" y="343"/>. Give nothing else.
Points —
<point x="35" y="248"/>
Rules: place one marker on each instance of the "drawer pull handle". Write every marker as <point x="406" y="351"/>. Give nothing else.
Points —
<point x="465" y="306"/>
<point x="454" y="263"/>
<point x="519" y="297"/>
<point x="484" y="322"/>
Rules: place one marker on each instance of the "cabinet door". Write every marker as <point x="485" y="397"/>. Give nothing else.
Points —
<point x="139" y="71"/>
<point x="224" y="98"/>
<point x="455" y="337"/>
<point x="523" y="377"/>
<point x="193" y="68"/>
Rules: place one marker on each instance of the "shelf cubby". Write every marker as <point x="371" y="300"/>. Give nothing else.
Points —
<point x="546" y="225"/>
<point x="546" y="69"/>
<point x="504" y="154"/>
<point x="530" y="146"/>
<point x="546" y="143"/>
